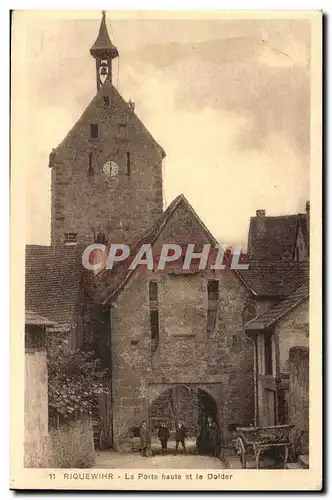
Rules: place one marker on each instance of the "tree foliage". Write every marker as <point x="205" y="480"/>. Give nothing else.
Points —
<point x="74" y="378"/>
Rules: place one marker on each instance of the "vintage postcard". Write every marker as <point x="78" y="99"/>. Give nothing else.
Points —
<point x="166" y="206"/>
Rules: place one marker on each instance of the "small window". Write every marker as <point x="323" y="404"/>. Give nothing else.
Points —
<point x="154" y="315"/>
<point x="268" y="354"/>
<point x="70" y="238"/>
<point x="101" y="238"/>
<point x="34" y="337"/>
<point x="106" y="100"/>
<point x="94" y="130"/>
<point x="128" y="164"/>
<point x="213" y="296"/>
<point x="153" y="291"/>
<point x="213" y="289"/>
<point x="122" y="130"/>
<point x="90" y="169"/>
<point x="154" y="321"/>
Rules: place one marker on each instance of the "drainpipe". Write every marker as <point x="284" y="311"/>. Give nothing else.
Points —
<point x="255" y="380"/>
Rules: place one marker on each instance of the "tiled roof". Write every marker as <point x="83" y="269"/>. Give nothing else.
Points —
<point x="52" y="281"/>
<point x="32" y="318"/>
<point x="276" y="279"/>
<point x="271" y="316"/>
<point x="279" y="235"/>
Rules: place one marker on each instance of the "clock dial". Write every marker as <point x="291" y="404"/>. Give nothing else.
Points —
<point x="111" y="169"/>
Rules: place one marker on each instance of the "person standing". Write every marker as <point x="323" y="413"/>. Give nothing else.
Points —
<point x="180" y="436"/>
<point x="163" y="435"/>
<point x="144" y="435"/>
<point x="213" y="436"/>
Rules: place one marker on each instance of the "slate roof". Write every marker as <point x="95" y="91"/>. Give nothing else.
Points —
<point x="275" y="279"/>
<point x="52" y="281"/>
<point x="32" y="318"/>
<point x="271" y="316"/>
<point x="103" y="41"/>
<point x="279" y="235"/>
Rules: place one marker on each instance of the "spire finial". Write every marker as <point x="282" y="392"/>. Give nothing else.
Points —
<point x="103" y="51"/>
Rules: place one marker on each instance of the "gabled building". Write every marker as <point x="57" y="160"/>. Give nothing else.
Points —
<point x="275" y="332"/>
<point x="282" y="238"/>
<point x="107" y="172"/>
<point x="176" y="335"/>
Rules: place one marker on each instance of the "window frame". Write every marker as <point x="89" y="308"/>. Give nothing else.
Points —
<point x="94" y="130"/>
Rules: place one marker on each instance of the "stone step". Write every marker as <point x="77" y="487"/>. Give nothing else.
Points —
<point x="303" y="461"/>
<point x="293" y="465"/>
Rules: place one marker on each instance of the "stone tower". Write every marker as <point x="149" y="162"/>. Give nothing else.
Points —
<point x="107" y="172"/>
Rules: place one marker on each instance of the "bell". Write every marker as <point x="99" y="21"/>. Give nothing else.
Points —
<point x="103" y="71"/>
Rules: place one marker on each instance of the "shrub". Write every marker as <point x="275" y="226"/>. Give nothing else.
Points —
<point x="74" y="379"/>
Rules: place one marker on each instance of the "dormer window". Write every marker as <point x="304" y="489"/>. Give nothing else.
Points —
<point x="287" y="253"/>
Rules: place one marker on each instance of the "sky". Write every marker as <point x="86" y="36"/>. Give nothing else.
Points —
<point x="228" y="100"/>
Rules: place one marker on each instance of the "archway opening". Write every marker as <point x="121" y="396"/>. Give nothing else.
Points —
<point x="190" y="405"/>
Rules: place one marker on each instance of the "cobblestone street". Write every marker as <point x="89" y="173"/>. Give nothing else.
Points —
<point x="111" y="460"/>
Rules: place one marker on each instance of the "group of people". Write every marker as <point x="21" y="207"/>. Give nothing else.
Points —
<point x="210" y="437"/>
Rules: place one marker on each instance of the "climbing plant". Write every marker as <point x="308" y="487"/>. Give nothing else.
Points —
<point x="74" y="378"/>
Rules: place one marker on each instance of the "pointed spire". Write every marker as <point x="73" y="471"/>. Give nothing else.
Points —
<point x="103" y="47"/>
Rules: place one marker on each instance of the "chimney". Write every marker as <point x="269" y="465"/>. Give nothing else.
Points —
<point x="307" y="209"/>
<point x="260" y="222"/>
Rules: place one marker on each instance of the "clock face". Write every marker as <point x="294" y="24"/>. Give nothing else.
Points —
<point x="111" y="169"/>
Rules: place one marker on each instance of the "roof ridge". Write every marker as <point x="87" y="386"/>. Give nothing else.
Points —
<point x="156" y="230"/>
<point x="96" y="97"/>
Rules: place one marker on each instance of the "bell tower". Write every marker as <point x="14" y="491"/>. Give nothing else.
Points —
<point x="103" y="51"/>
<point x="107" y="171"/>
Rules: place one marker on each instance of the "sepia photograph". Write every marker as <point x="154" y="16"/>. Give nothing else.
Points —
<point x="170" y="182"/>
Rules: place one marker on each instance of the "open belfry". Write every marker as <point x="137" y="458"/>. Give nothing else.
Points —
<point x="179" y="344"/>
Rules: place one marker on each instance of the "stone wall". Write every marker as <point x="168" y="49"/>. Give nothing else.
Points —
<point x="71" y="445"/>
<point x="291" y="331"/>
<point x="218" y="362"/>
<point x="83" y="203"/>
<point x="298" y="396"/>
<point x="36" y="409"/>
